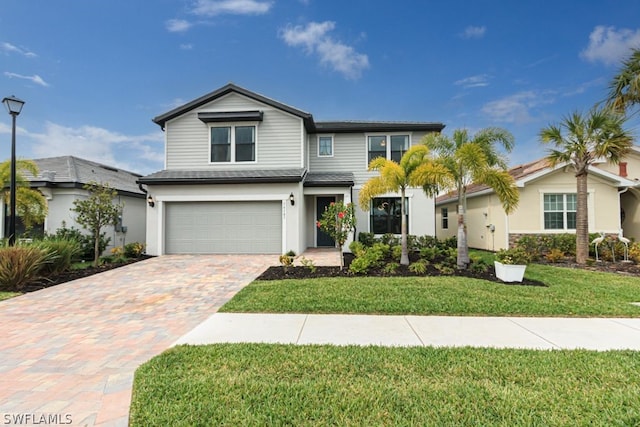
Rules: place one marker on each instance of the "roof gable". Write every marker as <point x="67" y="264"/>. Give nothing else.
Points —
<point x="162" y="119"/>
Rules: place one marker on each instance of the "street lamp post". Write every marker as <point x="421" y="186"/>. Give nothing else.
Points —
<point x="14" y="106"/>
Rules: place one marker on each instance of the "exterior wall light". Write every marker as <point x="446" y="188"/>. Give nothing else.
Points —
<point x="150" y="201"/>
<point x="291" y="199"/>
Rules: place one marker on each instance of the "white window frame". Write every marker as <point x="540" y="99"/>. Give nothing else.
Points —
<point x="332" y="145"/>
<point x="233" y="127"/>
<point x="388" y="146"/>
<point x="565" y="221"/>
<point x="444" y="213"/>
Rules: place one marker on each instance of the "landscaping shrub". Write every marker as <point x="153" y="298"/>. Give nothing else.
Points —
<point x="357" y="248"/>
<point x="396" y="252"/>
<point x="479" y="266"/>
<point x="555" y="255"/>
<point x="134" y="250"/>
<point x="634" y="252"/>
<point x="429" y="253"/>
<point x="389" y="239"/>
<point x="391" y="267"/>
<point x="367" y="239"/>
<point x="370" y="258"/>
<point x="20" y="264"/>
<point x="62" y="252"/>
<point x="86" y="242"/>
<point x="418" y="267"/>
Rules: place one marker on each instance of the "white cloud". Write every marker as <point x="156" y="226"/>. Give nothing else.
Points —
<point x="9" y="48"/>
<point x="472" y="32"/>
<point x="231" y="7"/>
<point x="480" y="80"/>
<point x="35" y="78"/>
<point x="314" y="38"/>
<point x="137" y="153"/>
<point x="610" y="46"/>
<point x="186" y="46"/>
<point x="178" y="25"/>
<point x="516" y="108"/>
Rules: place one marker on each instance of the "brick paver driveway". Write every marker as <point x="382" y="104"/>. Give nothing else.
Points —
<point x="68" y="353"/>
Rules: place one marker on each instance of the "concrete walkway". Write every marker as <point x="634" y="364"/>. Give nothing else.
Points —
<point x="438" y="331"/>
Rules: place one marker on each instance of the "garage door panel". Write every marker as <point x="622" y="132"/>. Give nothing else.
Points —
<point x="223" y="227"/>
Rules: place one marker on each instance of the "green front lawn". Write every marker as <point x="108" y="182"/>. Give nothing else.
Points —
<point x="259" y="384"/>
<point x="570" y="292"/>
<point x="7" y="295"/>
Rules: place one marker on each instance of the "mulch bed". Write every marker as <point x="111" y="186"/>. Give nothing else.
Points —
<point x="67" y="276"/>
<point x="278" y="273"/>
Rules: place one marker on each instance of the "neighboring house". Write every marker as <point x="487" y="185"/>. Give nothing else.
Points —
<point x="548" y="204"/>
<point x="61" y="180"/>
<point x="247" y="174"/>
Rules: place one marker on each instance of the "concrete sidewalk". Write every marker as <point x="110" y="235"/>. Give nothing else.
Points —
<point x="438" y="331"/>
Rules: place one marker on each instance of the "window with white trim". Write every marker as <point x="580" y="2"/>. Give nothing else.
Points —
<point x="391" y="147"/>
<point x="231" y="144"/>
<point x="445" y="218"/>
<point x="559" y="211"/>
<point x="325" y="146"/>
<point x="386" y="215"/>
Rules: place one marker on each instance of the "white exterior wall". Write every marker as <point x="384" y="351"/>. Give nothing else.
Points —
<point x="60" y="202"/>
<point x="279" y="138"/>
<point x="293" y="230"/>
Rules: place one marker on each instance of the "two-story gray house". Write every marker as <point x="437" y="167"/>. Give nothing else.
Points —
<point x="247" y="174"/>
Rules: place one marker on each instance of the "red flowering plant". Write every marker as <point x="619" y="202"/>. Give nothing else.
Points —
<point x="338" y="220"/>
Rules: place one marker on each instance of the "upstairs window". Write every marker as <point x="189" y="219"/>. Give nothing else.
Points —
<point x="230" y="144"/>
<point x="391" y="147"/>
<point x="559" y="211"/>
<point x="325" y="146"/>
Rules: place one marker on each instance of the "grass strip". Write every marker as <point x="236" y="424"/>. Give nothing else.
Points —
<point x="570" y="292"/>
<point x="261" y="384"/>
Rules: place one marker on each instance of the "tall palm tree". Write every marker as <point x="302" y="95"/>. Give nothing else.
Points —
<point x="31" y="205"/>
<point x="624" y="89"/>
<point x="580" y="140"/>
<point x="416" y="169"/>
<point x="475" y="160"/>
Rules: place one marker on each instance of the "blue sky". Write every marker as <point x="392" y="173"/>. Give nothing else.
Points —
<point x="94" y="73"/>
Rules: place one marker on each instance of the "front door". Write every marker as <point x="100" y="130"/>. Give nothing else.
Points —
<point x="323" y="239"/>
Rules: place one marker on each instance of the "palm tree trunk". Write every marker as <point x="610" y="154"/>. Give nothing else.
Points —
<point x="96" y="248"/>
<point x="463" y="248"/>
<point x="404" y="258"/>
<point x="582" y="219"/>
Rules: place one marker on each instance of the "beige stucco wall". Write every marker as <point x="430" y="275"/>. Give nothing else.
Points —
<point x="528" y="218"/>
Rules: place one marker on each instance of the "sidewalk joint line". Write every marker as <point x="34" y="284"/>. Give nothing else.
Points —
<point x="306" y="316"/>
<point x="512" y="320"/>
<point x="414" y="331"/>
<point x="624" y="324"/>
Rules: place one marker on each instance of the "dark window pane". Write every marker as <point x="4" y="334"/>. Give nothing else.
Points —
<point x="571" y="220"/>
<point x="220" y="144"/>
<point x="386" y="215"/>
<point x="245" y="152"/>
<point x="399" y="146"/>
<point x="377" y="147"/>
<point x="553" y="221"/>
<point x="445" y="218"/>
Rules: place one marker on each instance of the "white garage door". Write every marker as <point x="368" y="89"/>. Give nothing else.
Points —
<point x="223" y="227"/>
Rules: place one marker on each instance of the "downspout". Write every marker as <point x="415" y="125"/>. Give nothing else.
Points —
<point x="355" y="227"/>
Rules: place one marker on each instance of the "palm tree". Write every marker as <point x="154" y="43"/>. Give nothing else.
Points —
<point x="416" y="169"/>
<point x="624" y="89"/>
<point x="580" y="141"/>
<point x="31" y="206"/>
<point x="475" y="160"/>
